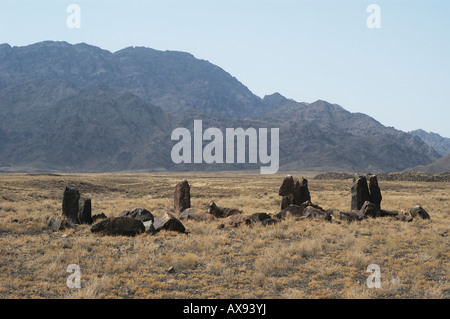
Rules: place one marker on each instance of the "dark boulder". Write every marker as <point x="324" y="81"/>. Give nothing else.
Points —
<point x="70" y="204"/>
<point x="419" y="211"/>
<point x="126" y="226"/>
<point x="301" y="192"/>
<point x="375" y="192"/>
<point x="360" y="192"/>
<point x="84" y="210"/>
<point x="193" y="214"/>
<point x="369" y="209"/>
<point x="259" y="217"/>
<point x="76" y="208"/>
<point x="168" y="222"/>
<point x="236" y="220"/>
<point x="222" y="212"/>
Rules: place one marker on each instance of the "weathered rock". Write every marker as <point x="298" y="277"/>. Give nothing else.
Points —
<point x="360" y="192"/>
<point x="301" y="191"/>
<point x="403" y="217"/>
<point x="316" y="213"/>
<point x="224" y="212"/>
<point x="369" y="209"/>
<point x="126" y="226"/>
<point x="296" y="210"/>
<point x="270" y="221"/>
<point x="419" y="211"/>
<point x="138" y="213"/>
<point x="76" y="208"/>
<point x="149" y="228"/>
<point x="57" y="224"/>
<point x="168" y="222"/>
<point x="352" y="216"/>
<point x="375" y="192"/>
<point x="70" y="204"/>
<point x="194" y="214"/>
<point x="236" y="220"/>
<point x="387" y="213"/>
<point x="287" y="192"/>
<point x="182" y="196"/>
<point x="259" y="217"/>
<point x="98" y="216"/>
<point x="84" y="210"/>
<point x="142" y="214"/>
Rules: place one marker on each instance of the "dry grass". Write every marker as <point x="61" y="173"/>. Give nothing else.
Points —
<point x="292" y="259"/>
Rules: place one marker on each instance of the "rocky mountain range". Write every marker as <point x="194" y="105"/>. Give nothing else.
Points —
<point x="67" y="107"/>
<point x="436" y="141"/>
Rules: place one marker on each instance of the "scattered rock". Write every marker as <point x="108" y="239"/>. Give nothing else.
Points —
<point x="419" y="211"/>
<point x="168" y="222"/>
<point x="260" y="217"/>
<point x="171" y="270"/>
<point x="369" y="209"/>
<point x="193" y="214"/>
<point x="352" y="216"/>
<point x="57" y="224"/>
<point x="218" y="212"/>
<point x="98" y="216"/>
<point x="119" y="226"/>
<point x="182" y="196"/>
<point x="404" y="217"/>
<point x="236" y="220"/>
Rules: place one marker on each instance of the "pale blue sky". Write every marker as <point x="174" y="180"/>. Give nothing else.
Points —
<point x="306" y="50"/>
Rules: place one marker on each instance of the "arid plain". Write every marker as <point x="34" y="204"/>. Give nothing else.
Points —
<point x="291" y="259"/>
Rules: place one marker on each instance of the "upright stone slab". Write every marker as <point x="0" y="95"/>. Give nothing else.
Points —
<point x="375" y="192"/>
<point x="70" y="204"/>
<point x="360" y="192"/>
<point x="182" y="196"/>
<point x="301" y="192"/>
<point x="287" y="192"/>
<point x="84" y="210"/>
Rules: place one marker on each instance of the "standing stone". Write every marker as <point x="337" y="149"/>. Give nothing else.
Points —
<point x="70" y="204"/>
<point x="360" y="192"/>
<point x="182" y="196"/>
<point x="287" y="192"/>
<point x="375" y="193"/>
<point x="301" y="192"/>
<point x="84" y="210"/>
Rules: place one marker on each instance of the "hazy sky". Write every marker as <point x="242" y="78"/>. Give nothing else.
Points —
<point x="306" y="50"/>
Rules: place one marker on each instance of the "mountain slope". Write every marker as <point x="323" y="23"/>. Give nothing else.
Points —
<point x="326" y="136"/>
<point x="439" y="143"/>
<point x="441" y="165"/>
<point x="80" y="108"/>
<point x="85" y="129"/>
<point x="172" y="80"/>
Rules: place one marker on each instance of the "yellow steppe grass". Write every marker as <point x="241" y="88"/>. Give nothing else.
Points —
<point x="292" y="259"/>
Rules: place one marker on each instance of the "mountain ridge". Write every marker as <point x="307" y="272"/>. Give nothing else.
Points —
<point x="79" y="107"/>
